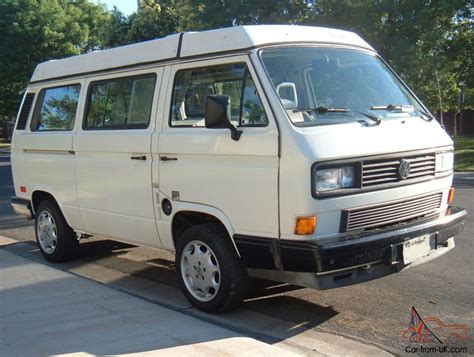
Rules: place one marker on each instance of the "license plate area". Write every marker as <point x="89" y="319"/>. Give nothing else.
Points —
<point x="416" y="248"/>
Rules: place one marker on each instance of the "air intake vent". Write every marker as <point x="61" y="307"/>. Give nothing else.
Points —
<point x="390" y="213"/>
<point x="25" y="111"/>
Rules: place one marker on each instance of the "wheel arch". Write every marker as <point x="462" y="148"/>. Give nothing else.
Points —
<point x="40" y="194"/>
<point x="190" y="216"/>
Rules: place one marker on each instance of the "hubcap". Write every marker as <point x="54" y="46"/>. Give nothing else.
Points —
<point x="200" y="271"/>
<point x="47" y="232"/>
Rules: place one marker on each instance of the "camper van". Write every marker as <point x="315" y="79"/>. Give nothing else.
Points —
<point x="287" y="153"/>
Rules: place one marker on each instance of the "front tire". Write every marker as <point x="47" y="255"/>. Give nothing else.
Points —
<point x="210" y="272"/>
<point x="56" y="240"/>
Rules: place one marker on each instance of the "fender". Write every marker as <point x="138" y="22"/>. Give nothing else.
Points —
<point x="164" y="222"/>
<point x="71" y="214"/>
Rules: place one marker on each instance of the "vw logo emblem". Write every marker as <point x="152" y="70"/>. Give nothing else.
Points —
<point x="404" y="169"/>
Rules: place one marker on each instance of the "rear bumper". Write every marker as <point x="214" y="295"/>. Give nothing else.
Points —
<point x="351" y="259"/>
<point x="21" y="207"/>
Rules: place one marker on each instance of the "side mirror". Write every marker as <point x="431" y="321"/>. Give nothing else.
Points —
<point x="288" y="95"/>
<point x="216" y="115"/>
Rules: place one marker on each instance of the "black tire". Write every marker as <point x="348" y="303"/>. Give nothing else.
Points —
<point x="233" y="275"/>
<point x="67" y="245"/>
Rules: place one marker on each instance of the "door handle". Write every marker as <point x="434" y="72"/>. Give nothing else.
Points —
<point x="166" y="158"/>
<point x="140" y="157"/>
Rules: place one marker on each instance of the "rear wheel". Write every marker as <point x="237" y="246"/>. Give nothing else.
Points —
<point x="210" y="272"/>
<point x="56" y="240"/>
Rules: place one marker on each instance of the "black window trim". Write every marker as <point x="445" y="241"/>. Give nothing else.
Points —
<point x="39" y="104"/>
<point x="117" y="127"/>
<point x="244" y="78"/>
<point x="24" y="115"/>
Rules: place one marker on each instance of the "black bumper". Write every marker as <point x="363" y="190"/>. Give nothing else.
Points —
<point x="360" y="249"/>
<point x="346" y="251"/>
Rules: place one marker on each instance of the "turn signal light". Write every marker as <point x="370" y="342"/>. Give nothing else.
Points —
<point x="305" y="225"/>
<point x="451" y="195"/>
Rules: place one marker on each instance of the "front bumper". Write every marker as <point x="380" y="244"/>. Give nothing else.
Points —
<point x="351" y="259"/>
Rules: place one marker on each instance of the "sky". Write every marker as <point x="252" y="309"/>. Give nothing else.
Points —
<point x="126" y="6"/>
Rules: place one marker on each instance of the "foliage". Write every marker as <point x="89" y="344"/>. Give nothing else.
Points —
<point x="464" y="154"/>
<point x="34" y="31"/>
<point x="422" y="39"/>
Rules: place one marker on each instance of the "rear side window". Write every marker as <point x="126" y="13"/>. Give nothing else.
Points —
<point x="120" y="103"/>
<point x="56" y="108"/>
<point x="192" y="86"/>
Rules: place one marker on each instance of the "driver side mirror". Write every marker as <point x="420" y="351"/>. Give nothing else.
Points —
<point x="217" y="117"/>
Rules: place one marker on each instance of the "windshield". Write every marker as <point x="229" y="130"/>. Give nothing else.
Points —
<point x="324" y="86"/>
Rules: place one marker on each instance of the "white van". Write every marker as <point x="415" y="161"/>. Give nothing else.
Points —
<point x="282" y="152"/>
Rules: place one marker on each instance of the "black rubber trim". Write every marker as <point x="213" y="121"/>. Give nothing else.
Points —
<point x="180" y="44"/>
<point x="25" y="111"/>
<point x="351" y="250"/>
<point x="20" y="201"/>
<point x="256" y="252"/>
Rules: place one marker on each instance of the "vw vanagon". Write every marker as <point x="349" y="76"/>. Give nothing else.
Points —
<point x="282" y="152"/>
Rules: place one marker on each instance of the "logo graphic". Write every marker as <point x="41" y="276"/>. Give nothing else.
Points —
<point x="433" y="330"/>
<point x="404" y="169"/>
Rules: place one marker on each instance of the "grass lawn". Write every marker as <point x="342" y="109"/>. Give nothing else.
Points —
<point x="4" y="145"/>
<point x="464" y="154"/>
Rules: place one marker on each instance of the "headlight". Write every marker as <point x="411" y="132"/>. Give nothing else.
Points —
<point x="444" y="161"/>
<point x="334" y="178"/>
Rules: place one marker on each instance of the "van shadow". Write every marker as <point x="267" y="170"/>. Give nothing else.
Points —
<point x="269" y="314"/>
<point x="272" y="299"/>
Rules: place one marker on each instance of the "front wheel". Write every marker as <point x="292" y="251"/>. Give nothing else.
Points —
<point x="56" y="240"/>
<point x="210" y="272"/>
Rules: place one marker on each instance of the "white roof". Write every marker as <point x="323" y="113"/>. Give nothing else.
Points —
<point x="193" y="44"/>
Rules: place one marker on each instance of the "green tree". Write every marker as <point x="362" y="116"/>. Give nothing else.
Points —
<point x="35" y="31"/>
<point x="418" y="38"/>
<point x="154" y="19"/>
<point x="116" y="31"/>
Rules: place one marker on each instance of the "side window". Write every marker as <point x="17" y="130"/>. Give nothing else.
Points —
<point x="56" y="108"/>
<point x="192" y="86"/>
<point x="120" y="103"/>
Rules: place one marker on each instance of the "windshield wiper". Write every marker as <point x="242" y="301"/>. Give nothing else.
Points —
<point x="376" y="119"/>
<point x="403" y="108"/>
<point x="427" y="116"/>
<point x="322" y="109"/>
<point x="392" y="107"/>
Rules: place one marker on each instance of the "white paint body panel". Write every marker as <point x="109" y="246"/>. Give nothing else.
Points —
<point x="214" y="170"/>
<point x="114" y="191"/>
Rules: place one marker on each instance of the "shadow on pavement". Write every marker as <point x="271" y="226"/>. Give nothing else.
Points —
<point x="51" y="312"/>
<point x="154" y="280"/>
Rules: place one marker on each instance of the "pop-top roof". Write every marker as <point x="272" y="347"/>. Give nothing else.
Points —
<point x="193" y="44"/>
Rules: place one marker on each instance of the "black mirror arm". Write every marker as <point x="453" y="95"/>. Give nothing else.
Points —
<point x="235" y="133"/>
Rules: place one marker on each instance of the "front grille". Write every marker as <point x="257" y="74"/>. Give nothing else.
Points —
<point x="395" y="212"/>
<point x="377" y="172"/>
